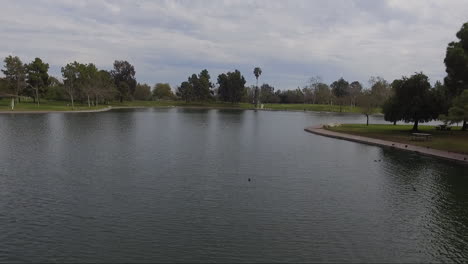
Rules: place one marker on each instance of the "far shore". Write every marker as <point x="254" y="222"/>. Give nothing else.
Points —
<point x="64" y="107"/>
<point x="401" y="145"/>
<point x="108" y="108"/>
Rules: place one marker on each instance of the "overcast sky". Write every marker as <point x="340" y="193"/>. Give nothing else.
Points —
<point x="290" y="40"/>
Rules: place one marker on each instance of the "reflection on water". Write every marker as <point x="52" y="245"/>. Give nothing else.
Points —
<point x="171" y="185"/>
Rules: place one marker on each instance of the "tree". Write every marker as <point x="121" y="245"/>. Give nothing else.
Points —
<point x="392" y="110"/>
<point x="380" y="89"/>
<point x="142" y="92"/>
<point x="87" y="82"/>
<point x="355" y="89"/>
<point x="37" y="77"/>
<point x="231" y="86"/>
<point x="340" y="89"/>
<point x="249" y="94"/>
<point x="15" y="74"/>
<point x="322" y="94"/>
<point x="3" y="85"/>
<point x="56" y="90"/>
<point x="290" y="96"/>
<point x="367" y="103"/>
<point x="257" y="72"/>
<point x="124" y="78"/>
<point x="88" y="78"/>
<point x="105" y="87"/>
<point x="185" y="91"/>
<point x="310" y="91"/>
<point x="70" y="75"/>
<point x="459" y="111"/>
<point x="162" y="91"/>
<point x="309" y="95"/>
<point x="415" y="100"/>
<point x="442" y="97"/>
<point x="267" y="94"/>
<point x="202" y="85"/>
<point x="456" y="62"/>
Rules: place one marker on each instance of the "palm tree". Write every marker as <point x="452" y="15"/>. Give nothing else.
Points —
<point x="257" y="72"/>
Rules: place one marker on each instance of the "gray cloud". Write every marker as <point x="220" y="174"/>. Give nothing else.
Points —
<point x="290" y="40"/>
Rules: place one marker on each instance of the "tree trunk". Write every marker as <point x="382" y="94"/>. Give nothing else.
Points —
<point x="12" y="103"/>
<point x="394" y="123"/>
<point x="17" y="90"/>
<point x="17" y="95"/>
<point x="415" y="127"/>
<point x="89" y="102"/>
<point x="257" y="94"/>
<point x="465" y="126"/>
<point x="73" y="104"/>
<point x="37" y="96"/>
<point x="367" y="119"/>
<point x="121" y="99"/>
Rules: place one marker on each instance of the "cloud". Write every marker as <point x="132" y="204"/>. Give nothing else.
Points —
<point x="167" y="41"/>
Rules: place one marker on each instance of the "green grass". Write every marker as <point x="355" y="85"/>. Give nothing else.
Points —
<point x="455" y="140"/>
<point x="63" y="106"/>
<point x="314" y="107"/>
<point x="45" y="106"/>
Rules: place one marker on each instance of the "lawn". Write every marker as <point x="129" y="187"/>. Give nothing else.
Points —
<point x="315" y="107"/>
<point x="455" y="140"/>
<point x="45" y="106"/>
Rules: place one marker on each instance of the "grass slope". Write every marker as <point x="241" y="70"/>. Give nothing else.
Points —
<point x="455" y="140"/>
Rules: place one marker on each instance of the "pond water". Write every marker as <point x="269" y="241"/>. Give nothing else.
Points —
<point x="159" y="185"/>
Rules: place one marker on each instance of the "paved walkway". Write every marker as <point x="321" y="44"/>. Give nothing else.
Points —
<point x="384" y="143"/>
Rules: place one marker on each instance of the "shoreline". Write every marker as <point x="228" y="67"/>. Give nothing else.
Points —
<point x="57" y="111"/>
<point x="453" y="156"/>
<point x="108" y="108"/>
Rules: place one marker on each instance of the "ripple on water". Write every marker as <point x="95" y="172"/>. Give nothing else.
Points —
<point x="171" y="185"/>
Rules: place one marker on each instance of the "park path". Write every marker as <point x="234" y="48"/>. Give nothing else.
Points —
<point x="319" y="130"/>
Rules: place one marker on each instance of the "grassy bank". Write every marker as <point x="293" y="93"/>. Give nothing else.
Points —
<point x="314" y="107"/>
<point x="45" y="106"/>
<point x="64" y="106"/>
<point x="455" y="140"/>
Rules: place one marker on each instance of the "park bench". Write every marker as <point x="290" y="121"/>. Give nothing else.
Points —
<point x="420" y="136"/>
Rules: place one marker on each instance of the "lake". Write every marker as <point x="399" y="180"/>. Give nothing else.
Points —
<point x="172" y="185"/>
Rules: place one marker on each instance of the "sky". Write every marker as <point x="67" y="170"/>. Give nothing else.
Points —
<point x="291" y="41"/>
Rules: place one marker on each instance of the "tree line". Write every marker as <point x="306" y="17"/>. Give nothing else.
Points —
<point x="80" y="82"/>
<point x="414" y="100"/>
<point x="409" y="99"/>
<point x="88" y="84"/>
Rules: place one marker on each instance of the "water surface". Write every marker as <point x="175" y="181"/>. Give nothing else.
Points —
<point x="159" y="185"/>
